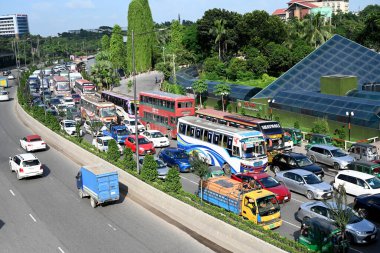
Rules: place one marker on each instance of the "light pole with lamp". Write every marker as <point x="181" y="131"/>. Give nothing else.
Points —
<point x="270" y="102"/>
<point x="349" y="115"/>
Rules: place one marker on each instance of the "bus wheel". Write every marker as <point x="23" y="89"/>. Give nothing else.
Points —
<point x="227" y="169"/>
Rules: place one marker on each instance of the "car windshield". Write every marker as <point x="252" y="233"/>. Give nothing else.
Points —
<point x="374" y="182"/>
<point x="122" y="132"/>
<point x="304" y="161"/>
<point x="107" y="112"/>
<point x="31" y="163"/>
<point x="181" y="154"/>
<point x="69" y="124"/>
<point x="157" y="135"/>
<point x="160" y="164"/>
<point x="268" y="205"/>
<point x="143" y="141"/>
<point x="337" y="153"/>
<point x="312" y="179"/>
<point x="269" y="182"/>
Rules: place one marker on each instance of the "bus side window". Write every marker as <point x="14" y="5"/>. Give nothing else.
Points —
<point x="182" y="128"/>
<point x="216" y="139"/>
<point x="209" y="136"/>
<point x="192" y="131"/>
<point x="198" y="133"/>
<point x="205" y="134"/>
<point x="224" y="141"/>
<point x="229" y="145"/>
<point x="235" y="151"/>
<point x="188" y="131"/>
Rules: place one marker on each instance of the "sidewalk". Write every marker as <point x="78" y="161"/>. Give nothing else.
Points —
<point x="144" y="82"/>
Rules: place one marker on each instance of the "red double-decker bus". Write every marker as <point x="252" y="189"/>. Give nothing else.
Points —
<point x="160" y="110"/>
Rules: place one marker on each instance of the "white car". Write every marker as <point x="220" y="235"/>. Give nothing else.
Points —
<point x="69" y="126"/>
<point x="130" y="124"/>
<point x="25" y="165"/>
<point x="4" y="95"/>
<point x="32" y="143"/>
<point x="11" y="77"/>
<point x="101" y="143"/>
<point x="357" y="183"/>
<point x="68" y="101"/>
<point x="158" y="139"/>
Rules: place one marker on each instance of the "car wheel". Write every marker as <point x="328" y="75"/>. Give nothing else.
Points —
<point x="312" y="158"/>
<point x="80" y="193"/>
<point x="93" y="202"/>
<point x="363" y="213"/>
<point x="309" y="195"/>
<point x="336" y="166"/>
<point x="276" y="169"/>
<point x="18" y="175"/>
<point x="350" y="238"/>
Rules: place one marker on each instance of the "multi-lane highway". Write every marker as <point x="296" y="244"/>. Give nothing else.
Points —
<point x="45" y="214"/>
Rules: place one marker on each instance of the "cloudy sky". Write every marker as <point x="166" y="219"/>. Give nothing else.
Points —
<point x="49" y="17"/>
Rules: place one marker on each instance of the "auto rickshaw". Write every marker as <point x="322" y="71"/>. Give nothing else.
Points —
<point x="294" y="135"/>
<point x="321" y="236"/>
<point x="319" y="139"/>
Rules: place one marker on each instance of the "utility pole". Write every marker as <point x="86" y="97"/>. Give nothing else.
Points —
<point x="135" y="99"/>
<point x="174" y="75"/>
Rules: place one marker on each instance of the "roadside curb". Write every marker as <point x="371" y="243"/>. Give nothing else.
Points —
<point x="215" y="230"/>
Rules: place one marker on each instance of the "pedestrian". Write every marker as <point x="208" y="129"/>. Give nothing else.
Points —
<point x="156" y="79"/>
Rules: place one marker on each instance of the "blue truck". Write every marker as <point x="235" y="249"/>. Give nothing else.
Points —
<point x="99" y="182"/>
<point x="118" y="132"/>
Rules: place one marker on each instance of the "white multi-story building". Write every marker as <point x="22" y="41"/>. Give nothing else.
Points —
<point x="14" y="25"/>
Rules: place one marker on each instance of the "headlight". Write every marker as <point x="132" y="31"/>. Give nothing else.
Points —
<point x="361" y="232"/>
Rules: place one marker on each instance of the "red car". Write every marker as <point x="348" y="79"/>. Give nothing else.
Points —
<point x="145" y="146"/>
<point x="266" y="182"/>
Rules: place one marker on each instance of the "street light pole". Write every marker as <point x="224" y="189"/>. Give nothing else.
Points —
<point x="349" y="115"/>
<point x="135" y="98"/>
<point x="270" y="101"/>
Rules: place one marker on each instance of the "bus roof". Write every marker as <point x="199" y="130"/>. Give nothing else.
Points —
<point x="60" y="78"/>
<point x="118" y="95"/>
<point x="162" y="95"/>
<point x="212" y="112"/>
<point x="96" y="100"/>
<point x="220" y="128"/>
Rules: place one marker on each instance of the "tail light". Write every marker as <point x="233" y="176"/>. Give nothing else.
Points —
<point x="43" y="143"/>
<point x="21" y="170"/>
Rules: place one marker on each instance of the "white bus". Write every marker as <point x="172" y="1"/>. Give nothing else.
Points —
<point x="235" y="150"/>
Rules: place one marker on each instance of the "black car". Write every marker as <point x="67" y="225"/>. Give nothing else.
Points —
<point x="368" y="206"/>
<point x="291" y="160"/>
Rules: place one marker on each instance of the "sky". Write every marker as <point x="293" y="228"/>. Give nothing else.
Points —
<point x="50" y="17"/>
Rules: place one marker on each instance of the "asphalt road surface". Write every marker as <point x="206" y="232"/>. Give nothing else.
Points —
<point x="44" y="214"/>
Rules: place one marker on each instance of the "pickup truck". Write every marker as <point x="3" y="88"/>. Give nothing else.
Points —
<point x="259" y="206"/>
<point x="118" y="132"/>
<point x="99" y="182"/>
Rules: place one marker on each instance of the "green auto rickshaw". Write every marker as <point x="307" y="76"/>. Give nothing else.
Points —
<point x="321" y="236"/>
<point x="294" y="135"/>
<point x="319" y="139"/>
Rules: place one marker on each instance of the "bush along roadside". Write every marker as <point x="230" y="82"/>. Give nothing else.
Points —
<point x="172" y="184"/>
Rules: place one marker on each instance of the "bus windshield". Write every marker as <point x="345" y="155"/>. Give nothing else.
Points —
<point x="88" y="89"/>
<point x="253" y="149"/>
<point x="107" y="111"/>
<point x="63" y="86"/>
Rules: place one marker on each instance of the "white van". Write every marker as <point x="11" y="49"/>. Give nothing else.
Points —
<point x="357" y="183"/>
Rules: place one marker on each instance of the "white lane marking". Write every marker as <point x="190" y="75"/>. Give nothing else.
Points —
<point x="298" y="200"/>
<point x="291" y="224"/>
<point x="12" y="193"/>
<point x="356" y="250"/>
<point x="61" y="249"/>
<point x="114" y="229"/>
<point x="31" y="216"/>
<point x="189" y="180"/>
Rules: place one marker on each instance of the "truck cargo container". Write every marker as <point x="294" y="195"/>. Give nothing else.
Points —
<point x="99" y="182"/>
<point x="4" y="82"/>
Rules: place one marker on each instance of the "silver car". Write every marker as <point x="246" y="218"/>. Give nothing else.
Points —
<point x="359" y="230"/>
<point x="162" y="168"/>
<point x="305" y="183"/>
<point x="329" y="155"/>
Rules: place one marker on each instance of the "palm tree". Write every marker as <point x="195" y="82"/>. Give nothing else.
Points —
<point x="315" y="30"/>
<point x="222" y="89"/>
<point x="200" y="87"/>
<point x="103" y="74"/>
<point x="219" y="31"/>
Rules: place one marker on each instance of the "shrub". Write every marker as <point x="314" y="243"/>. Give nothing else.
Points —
<point x="113" y="153"/>
<point x="129" y="161"/>
<point x="149" y="169"/>
<point x="321" y="126"/>
<point x="173" y="181"/>
<point x="296" y="125"/>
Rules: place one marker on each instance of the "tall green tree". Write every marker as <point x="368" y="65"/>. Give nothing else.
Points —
<point x="104" y="75"/>
<point x="223" y="90"/>
<point x="316" y="30"/>
<point x="140" y="21"/>
<point x="176" y="37"/>
<point x="200" y="169"/>
<point x="105" y="42"/>
<point x="200" y="87"/>
<point x="219" y="31"/>
<point x="117" y="48"/>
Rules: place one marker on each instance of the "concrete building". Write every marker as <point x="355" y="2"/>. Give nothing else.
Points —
<point x="14" y="25"/>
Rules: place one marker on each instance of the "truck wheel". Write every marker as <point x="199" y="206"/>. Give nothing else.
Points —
<point x="80" y="192"/>
<point x="93" y="202"/>
<point x="310" y="195"/>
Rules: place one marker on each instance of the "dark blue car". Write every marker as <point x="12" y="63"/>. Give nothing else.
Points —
<point x="176" y="158"/>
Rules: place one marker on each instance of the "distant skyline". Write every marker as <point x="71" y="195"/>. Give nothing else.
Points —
<point x="48" y="18"/>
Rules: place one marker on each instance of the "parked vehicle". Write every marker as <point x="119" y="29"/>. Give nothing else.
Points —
<point x="259" y="206"/>
<point x="358" y="230"/>
<point x="366" y="167"/>
<point x="318" y="235"/>
<point x="118" y="132"/>
<point x="363" y="152"/>
<point x="25" y="165"/>
<point x="329" y="155"/>
<point x="291" y="160"/>
<point x="4" y="95"/>
<point x="305" y="183"/>
<point x="162" y="168"/>
<point x="319" y="139"/>
<point x="4" y="82"/>
<point x="145" y="146"/>
<point x="158" y="139"/>
<point x="32" y="143"/>
<point x="265" y="181"/>
<point x="368" y="206"/>
<point x="357" y="183"/>
<point x="102" y="143"/>
<point x="176" y="158"/>
<point x="69" y="126"/>
<point x="99" y="182"/>
<point x="294" y="135"/>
